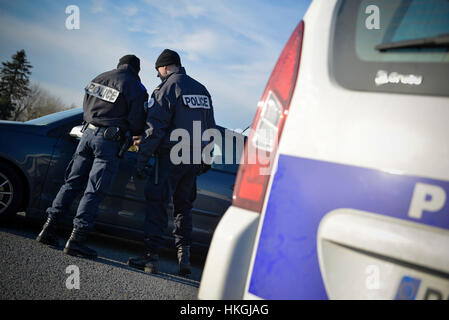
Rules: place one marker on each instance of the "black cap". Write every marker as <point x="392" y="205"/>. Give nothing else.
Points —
<point x="132" y="60"/>
<point x="168" y="57"/>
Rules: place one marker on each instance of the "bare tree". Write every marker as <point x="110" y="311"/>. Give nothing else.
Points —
<point x="27" y="102"/>
<point x="39" y="103"/>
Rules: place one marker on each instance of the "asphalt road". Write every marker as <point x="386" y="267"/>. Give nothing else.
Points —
<point x="29" y="270"/>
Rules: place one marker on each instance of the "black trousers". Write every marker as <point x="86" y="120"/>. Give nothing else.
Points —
<point x="177" y="182"/>
<point x="92" y="170"/>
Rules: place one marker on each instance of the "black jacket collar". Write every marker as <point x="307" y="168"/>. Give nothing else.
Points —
<point x="129" y="68"/>
<point x="180" y="71"/>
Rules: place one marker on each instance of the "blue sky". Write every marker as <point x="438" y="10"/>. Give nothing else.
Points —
<point x="230" y="46"/>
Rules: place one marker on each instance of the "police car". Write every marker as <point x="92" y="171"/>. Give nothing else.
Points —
<point x="343" y="190"/>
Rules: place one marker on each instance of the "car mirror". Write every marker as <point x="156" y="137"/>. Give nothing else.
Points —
<point x="76" y="132"/>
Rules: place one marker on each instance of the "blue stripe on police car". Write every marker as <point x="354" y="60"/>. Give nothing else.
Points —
<point x="303" y="191"/>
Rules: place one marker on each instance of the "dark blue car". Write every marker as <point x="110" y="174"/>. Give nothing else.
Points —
<point x="34" y="156"/>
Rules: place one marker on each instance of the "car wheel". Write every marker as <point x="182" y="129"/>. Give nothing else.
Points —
<point x="11" y="192"/>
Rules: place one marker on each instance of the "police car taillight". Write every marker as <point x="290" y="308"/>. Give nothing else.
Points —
<point x="260" y="149"/>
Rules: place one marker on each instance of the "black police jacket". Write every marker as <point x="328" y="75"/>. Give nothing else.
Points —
<point x="116" y="98"/>
<point x="179" y="102"/>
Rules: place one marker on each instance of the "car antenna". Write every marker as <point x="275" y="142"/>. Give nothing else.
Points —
<point x="246" y="128"/>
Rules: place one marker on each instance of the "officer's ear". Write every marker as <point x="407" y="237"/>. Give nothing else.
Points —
<point x="160" y="71"/>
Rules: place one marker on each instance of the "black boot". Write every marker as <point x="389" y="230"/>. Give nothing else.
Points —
<point x="184" y="260"/>
<point x="152" y="264"/>
<point x="48" y="233"/>
<point x="149" y="262"/>
<point x="75" y="245"/>
<point x="138" y="262"/>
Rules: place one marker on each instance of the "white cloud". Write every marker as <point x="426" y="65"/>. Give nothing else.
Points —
<point x="195" y="11"/>
<point x="195" y="45"/>
<point x="174" y="9"/>
<point x="68" y="96"/>
<point x="98" y="6"/>
<point x="80" y="44"/>
<point x="129" y="11"/>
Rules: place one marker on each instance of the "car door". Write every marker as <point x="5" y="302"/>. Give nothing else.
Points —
<point x="124" y="206"/>
<point x="215" y="187"/>
<point x="63" y="151"/>
<point x="124" y="202"/>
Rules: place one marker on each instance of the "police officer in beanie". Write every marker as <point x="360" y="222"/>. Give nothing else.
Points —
<point x="113" y="105"/>
<point x="176" y="103"/>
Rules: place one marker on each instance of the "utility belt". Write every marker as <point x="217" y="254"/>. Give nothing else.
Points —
<point x="125" y="139"/>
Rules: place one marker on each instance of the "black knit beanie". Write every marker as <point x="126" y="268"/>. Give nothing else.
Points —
<point x="168" y="57"/>
<point x="130" y="59"/>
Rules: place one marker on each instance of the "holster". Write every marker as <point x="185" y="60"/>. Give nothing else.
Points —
<point x="112" y="133"/>
<point x="126" y="141"/>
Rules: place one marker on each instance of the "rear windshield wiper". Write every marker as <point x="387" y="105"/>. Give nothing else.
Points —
<point x="432" y="42"/>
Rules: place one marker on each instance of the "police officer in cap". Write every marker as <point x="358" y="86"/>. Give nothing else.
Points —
<point x="113" y="105"/>
<point x="176" y="103"/>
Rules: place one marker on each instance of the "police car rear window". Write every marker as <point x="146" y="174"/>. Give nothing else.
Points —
<point x="392" y="46"/>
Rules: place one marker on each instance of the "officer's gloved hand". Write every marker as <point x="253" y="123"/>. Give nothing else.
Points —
<point x="143" y="173"/>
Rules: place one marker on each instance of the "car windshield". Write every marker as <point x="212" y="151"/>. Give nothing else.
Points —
<point x="50" y="118"/>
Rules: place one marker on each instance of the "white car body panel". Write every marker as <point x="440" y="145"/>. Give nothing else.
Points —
<point x="229" y="255"/>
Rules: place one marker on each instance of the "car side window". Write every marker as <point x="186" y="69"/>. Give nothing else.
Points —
<point x="227" y="156"/>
